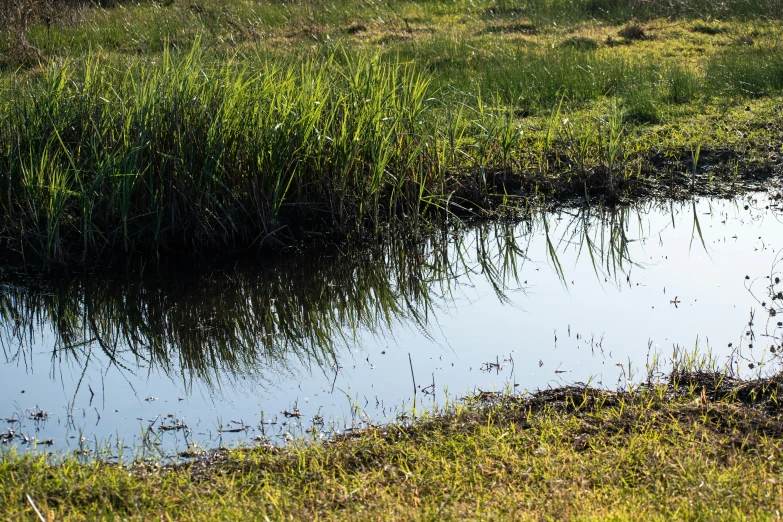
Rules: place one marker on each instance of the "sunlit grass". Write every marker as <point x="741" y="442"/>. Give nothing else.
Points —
<point x="693" y="446"/>
<point x="164" y="128"/>
<point x="188" y="153"/>
<point x="192" y="152"/>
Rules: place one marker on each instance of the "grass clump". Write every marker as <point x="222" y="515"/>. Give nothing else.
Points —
<point x="642" y="107"/>
<point x="707" y="28"/>
<point x="191" y="153"/>
<point x="694" y="447"/>
<point x="633" y="32"/>
<point x="683" y="86"/>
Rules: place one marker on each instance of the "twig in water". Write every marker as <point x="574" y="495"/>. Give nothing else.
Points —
<point x="37" y="511"/>
<point x="430" y="390"/>
<point x="412" y="376"/>
<point x="336" y="369"/>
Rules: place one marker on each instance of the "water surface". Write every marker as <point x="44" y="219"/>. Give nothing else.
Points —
<point x="333" y="341"/>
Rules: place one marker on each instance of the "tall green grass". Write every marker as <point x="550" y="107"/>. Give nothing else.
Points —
<point x="195" y="152"/>
<point x="752" y="73"/>
<point x="191" y="153"/>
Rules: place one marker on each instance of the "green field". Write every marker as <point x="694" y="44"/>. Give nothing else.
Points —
<point x="210" y="128"/>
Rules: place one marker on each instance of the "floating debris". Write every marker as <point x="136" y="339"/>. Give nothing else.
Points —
<point x="176" y="425"/>
<point x="38" y="415"/>
<point x="295" y="413"/>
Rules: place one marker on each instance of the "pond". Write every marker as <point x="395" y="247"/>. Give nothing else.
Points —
<point x="321" y="342"/>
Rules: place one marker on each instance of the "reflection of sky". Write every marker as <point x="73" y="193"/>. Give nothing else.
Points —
<point x="598" y="321"/>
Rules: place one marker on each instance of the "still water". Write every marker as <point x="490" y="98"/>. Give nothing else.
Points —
<point x="327" y="341"/>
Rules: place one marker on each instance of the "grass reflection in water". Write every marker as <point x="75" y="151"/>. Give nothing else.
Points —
<point x="264" y="319"/>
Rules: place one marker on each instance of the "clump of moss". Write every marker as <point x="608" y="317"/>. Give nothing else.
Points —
<point x="633" y="31"/>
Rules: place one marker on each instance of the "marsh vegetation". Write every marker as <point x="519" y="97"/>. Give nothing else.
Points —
<point x="354" y="142"/>
<point x="202" y="129"/>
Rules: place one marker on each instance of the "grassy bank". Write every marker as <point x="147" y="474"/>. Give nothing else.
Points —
<point x="159" y="128"/>
<point x="695" y="447"/>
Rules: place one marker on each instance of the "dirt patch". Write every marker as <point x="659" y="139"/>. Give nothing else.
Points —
<point x="710" y="387"/>
<point x="720" y="173"/>
<point x="307" y="33"/>
<point x="744" y="410"/>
